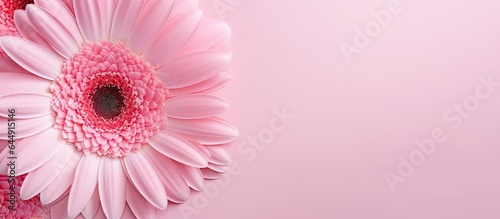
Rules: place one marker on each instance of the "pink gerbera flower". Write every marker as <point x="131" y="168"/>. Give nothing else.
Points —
<point x="113" y="114"/>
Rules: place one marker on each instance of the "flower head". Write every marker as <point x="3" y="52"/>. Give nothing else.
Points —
<point x="115" y="113"/>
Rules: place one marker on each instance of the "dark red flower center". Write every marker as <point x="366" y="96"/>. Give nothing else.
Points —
<point x="108" y="101"/>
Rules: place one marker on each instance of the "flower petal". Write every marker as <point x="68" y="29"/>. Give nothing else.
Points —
<point x="168" y="44"/>
<point x="217" y="81"/>
<point x="27" y="30"/>
<point x="59" y="210"/>
<point x="88" y="17"/>
<point x="222" y="83"/>
<point x="84" y="183"/>
<point x="195" y="106"/>
<point x="211" y="131"/>
<point x="69" y="4"/>
<point x="7" y="65"/>
<point x="27" y="105"/>
<point x="211" y="35"/>
<point x="127" y="213"/>
<point x="38" y="179"/>
<point x="124" y="19"/>
<point x="176" y="187"/>
<point x="191" y="175"/>
<point x="202" y="149"/>
<point x="184" y="6"/>
<point x="4" y="160"/>
<point x="100" y="214"/>
<point x="193" y="68"/>
<point x="62" y="13"/>
<point x="31" y="84"/>
<point x="53" y="31"/>
<point x="27" y="127"/>
<point x="92" y="206"/>
<point x="107" y="13"/>
<point x="112" y="187"/>
<point x="219" y="155"/>
<point x="37" y="150"/>
<point x="151" y="20"/>
<point x="28" y="55"/>
<point x="144" y="177"/>
<point x="136" y="203"/>
<point x="218" y="168"/>
<point x="177" y="148"/>
<point x="62" y="182"/>
<point x="210" y="174"/>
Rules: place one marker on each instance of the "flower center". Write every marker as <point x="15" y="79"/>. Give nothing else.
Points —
<point x="108" y="101"/>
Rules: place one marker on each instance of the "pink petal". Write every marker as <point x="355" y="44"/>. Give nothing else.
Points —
<point x="202" y="149"/>
<point x="144" y="177"/>
<point x="53" y="31"/>
<point x="195" y="106"/>
<point x="219" y="155"/>
<point x="92" y="206"/>
<point x="193" y="68"/>
<point x="4" y="160"/>
<point x="69" y="4"/>
<point x="217" y="81"/>
<point x="7" y="65"/>
<point x="27" y="30"/>
<point x="100" y="214"/>
<point x="151" y="20"/>
<point x="218" y="168"/>
<point x="27" y="105"/>
<point x="136" y="203"/>
<point x="108" y="8"/>
<point x="184" y="6"/>
<point x="124" y="19"/>
<point x="88" y="17"/>
<point x="62" y="182"/>
<point x="210" y="174"/>
<point x="169" y="43"/>
<point x="112" y="187"/>
<point x="38" y="179"/>
<point x="211" y="35"/>
<point x="211" y="131"/>
<point x="27" y="127"/>
<point x="178" y="149"/>
<point x="222" y="83"/>
<point x="28" y="55"/>
<point x="63" y="14"/>
<point x="59" y="210"/>
<point x="192" y="175"/>
<point x="84" y="183"/>
<point x="127" y="213"/>
<point x="175" y="185"/>
<point x="33" y="152"/>
<point x="32" y="84"/>
<point x="3" y="144"/>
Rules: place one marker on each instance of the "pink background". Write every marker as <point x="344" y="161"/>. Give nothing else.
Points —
<point x="353" y="120"/>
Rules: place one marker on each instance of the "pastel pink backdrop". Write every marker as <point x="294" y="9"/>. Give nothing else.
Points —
<point x="355" y="119"/>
